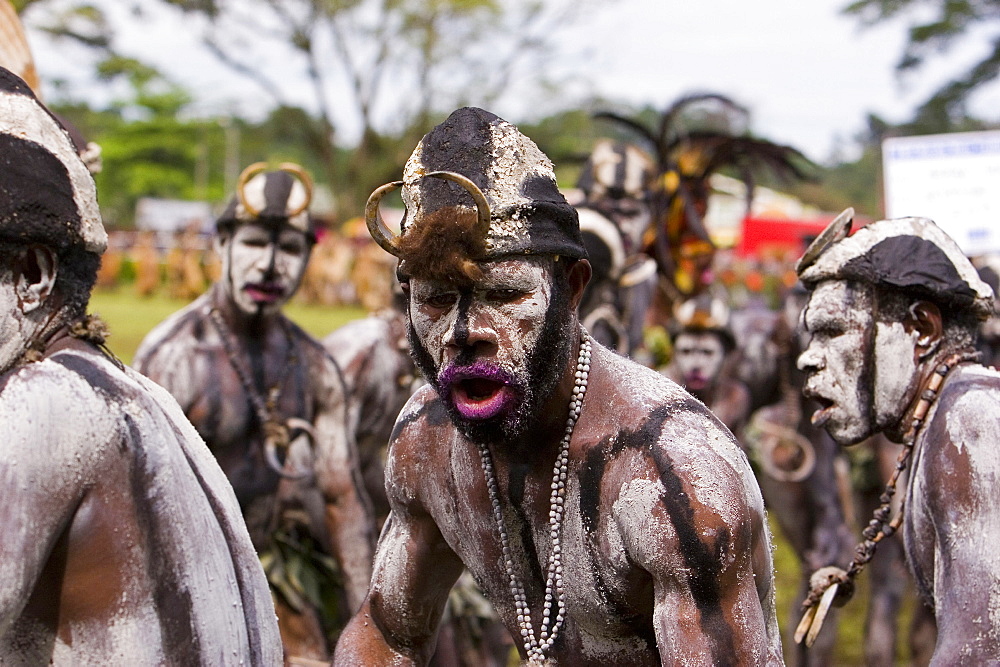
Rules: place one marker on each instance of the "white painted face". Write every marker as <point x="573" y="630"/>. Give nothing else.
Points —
<point x="481" y="338"/>
<point x="864" y="383"/>
<point x="13" y="341"/>
<point x="699" y="358"/>
<point x="261" y="268"/>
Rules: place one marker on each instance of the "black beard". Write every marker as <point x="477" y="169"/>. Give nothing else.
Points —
<point x="546" y="362"/>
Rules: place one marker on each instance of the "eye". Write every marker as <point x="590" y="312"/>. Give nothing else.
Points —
<point x="503" y="295"/>
<point x="255" y="242"/>
<point x="440" y="300"/>
<point x="292" y="248"/>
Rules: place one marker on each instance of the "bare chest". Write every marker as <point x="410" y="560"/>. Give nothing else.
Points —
<point x="608" y="602"/>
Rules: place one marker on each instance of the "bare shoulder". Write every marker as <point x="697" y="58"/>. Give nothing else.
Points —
<point x="652" y="407"/>
<point x="67" y="407"/>
<point x="963" y="429"/>
<point x="420" y="445"/>
<point x="356" y="338"/>
<point x="665" y="444"/>
<point x="173" y="337"/>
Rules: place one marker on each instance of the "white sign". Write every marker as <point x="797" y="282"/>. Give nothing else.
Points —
<point x="173" y="215"/>
<point x="953" y="179"/>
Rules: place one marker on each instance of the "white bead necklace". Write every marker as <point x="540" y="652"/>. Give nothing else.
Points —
<point x="537" y="646"/>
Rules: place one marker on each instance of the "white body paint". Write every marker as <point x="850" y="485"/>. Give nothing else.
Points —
<point x="952" y="523"/>
<point x="71" y="451"/>
<point x="608" y="555"/>
<point x="14" y="338"/>
<point x="699" y="358"/>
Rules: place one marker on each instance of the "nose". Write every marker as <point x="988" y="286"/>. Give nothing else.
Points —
<point x="267" y="258"/>
<point x="473" y="330"/>
<point x="810" y="360"/>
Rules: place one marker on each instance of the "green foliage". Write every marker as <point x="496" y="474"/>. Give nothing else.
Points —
<point x="949" y="22"/>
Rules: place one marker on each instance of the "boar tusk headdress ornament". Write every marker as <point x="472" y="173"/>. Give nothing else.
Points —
<point x="287" y="167"/>
<point x="387" y="239"/>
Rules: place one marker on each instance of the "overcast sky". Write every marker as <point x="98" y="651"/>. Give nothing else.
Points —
<point x="807" y="73"/>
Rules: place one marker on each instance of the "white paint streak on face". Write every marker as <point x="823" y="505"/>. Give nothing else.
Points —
<point x="507" y="313"/>
<point x="13" y="334"/>
<point x="261" y="273"/>
<point x="895" y="372"/>
<point x="838" y="319"/>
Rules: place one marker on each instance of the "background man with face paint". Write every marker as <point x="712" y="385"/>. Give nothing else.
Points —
<point x="630" y="531"/>
<point x="120" y="539"/>
<point x="270" y="403"/>
<point x="702" y="342"/>
<point x="893" y="315"/>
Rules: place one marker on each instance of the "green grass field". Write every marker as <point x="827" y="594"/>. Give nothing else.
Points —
<point x="130" y="318"/>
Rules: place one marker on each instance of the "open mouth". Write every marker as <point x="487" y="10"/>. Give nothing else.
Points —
<point x="822" y="414"/>
<point x="479" y="392"/>
<point x="264" y="292"/>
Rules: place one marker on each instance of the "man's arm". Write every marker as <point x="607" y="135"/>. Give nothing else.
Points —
<point x="46" y="463"/>
<point x="959" y="492"/>
<point x="414" y="572"/>
<point x="349" y="517"/>
<point x="701" y="537"/>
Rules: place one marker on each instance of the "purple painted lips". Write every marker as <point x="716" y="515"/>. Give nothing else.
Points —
<point x="479" y="391"/>
<point x="266" y="292"/>
<point x="695" y="380"/>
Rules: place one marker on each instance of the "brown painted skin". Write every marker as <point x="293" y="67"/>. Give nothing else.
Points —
<point x="186" y="355"/>
<point x="373" y="355"/>
<point x="666" y="554"/>
<point x="122" y="541"/>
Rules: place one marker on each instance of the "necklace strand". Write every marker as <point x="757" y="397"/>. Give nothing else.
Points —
<point x="553" y="611"/>
<point x="276" y="435"/>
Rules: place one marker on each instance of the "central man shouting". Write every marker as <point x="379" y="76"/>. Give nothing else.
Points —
<point x="606" y="514"/>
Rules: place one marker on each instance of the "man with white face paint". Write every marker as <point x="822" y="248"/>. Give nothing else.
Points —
<point x="121" y="541"/>
<point x="893" y="317"/>
<point x="270" y="403"/>
<point x="702" y="343"/>
<point x="605" y="514"/>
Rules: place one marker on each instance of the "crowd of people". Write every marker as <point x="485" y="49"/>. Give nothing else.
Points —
<point x="496" y="464"/>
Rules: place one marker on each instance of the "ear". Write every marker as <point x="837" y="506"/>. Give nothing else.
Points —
<point x="925" y="319"/>
<point x="37" y="279"/>
<point x="578" y="277"/>
<point x="219" y="242"/>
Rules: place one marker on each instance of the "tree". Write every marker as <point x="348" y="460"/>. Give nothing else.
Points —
<point x="935" y="26"/>
<point x="375" y="68"/>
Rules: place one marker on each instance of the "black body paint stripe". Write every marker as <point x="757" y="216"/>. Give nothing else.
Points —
<point x="702" y="563"/>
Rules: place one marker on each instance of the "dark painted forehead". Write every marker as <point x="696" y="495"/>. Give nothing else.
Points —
<point x="529" y="214"/>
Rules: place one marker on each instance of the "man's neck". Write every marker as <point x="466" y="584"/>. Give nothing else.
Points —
<point x="926" y="369"/>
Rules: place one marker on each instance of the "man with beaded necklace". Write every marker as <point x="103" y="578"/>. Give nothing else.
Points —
<point x="893" y="316"/>
<point x="606" y="515"/>
<point x="271" y="404"/>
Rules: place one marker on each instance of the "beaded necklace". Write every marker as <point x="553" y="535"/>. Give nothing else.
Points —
<point x="536" y="646"/>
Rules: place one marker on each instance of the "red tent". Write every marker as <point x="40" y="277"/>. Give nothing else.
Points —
<point x="771" y="234"/>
